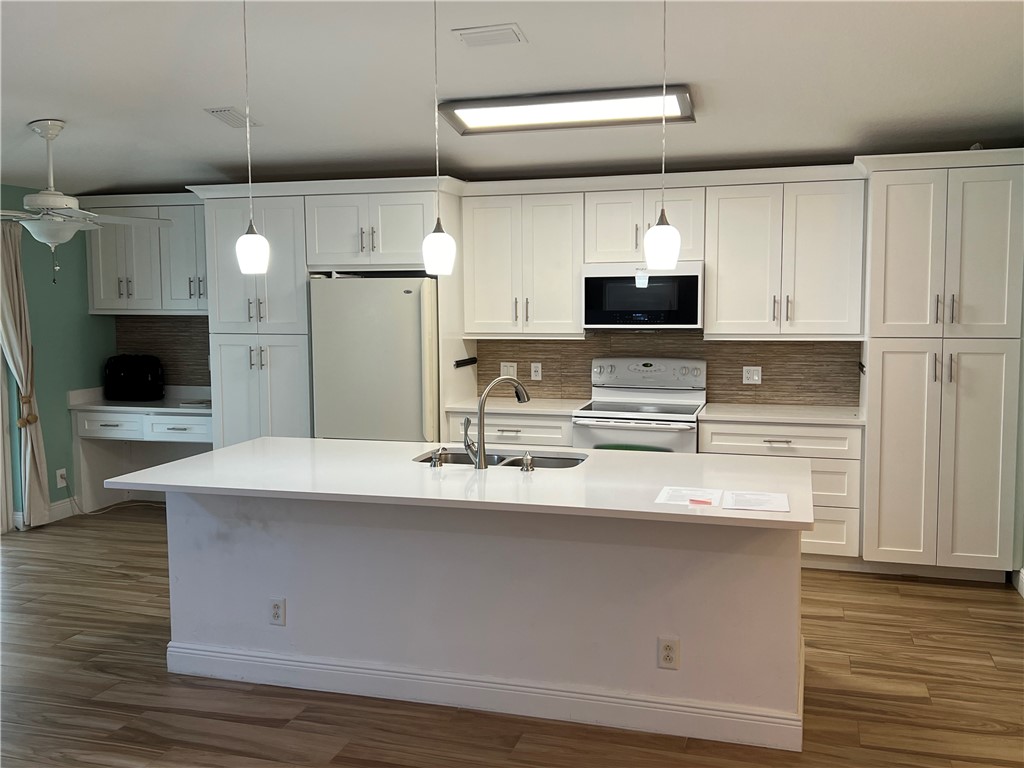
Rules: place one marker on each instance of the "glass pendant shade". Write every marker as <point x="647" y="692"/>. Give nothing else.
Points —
<point x="51" y="231"/>
<point x="438" y="251"/>
<point x="661" y="245"/>
<point x="253" y="252"/>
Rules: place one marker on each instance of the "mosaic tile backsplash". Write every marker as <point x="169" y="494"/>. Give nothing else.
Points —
<point x="181" y="343"/>
<point x="792" y="372"/>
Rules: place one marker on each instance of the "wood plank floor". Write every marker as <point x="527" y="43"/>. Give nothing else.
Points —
<point x="900" y="672"/>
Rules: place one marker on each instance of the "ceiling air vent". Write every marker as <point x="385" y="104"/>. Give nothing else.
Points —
<point x="492" y="34"/>
<point x="231" y="116"/>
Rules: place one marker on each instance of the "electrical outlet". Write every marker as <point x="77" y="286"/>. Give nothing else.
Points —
<point x="510" y="369"/>
<point x="668" y="652"/>
<point x="277" y="609"/>
<point x="535" y="371"/>
<point x="62" y="478"/>
<point x="751" y="374"/>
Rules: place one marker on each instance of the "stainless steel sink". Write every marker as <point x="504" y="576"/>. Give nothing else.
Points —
<point x="544" y="460"/>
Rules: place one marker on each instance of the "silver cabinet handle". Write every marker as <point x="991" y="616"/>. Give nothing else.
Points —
<point x="191" y="294"/>
<point x="259" y="310"/>
<point x="938" y="318"/>
<point x="950" y="367"/>
<point x="199" y="280"/>
<point x="128" y="282"/>
<point x="503" y="430"/>
<point x="373" y="238"/>
<point x="775" y="308"/>
<point x="527" y="310"/>
<point x="516" y="318"/>
<point x="177" y="429"/>
<point x="362" y="239"/>
<point x="120" y="290"/>
<point x="773" y="441"/>
<point x="935" y="368"/>
<point x="110" y="425"/>
<point x="250" y="309"/>
<point x="787" y="307"/>
<point x="251" y="363"/>
<point x="262" y="362"/>
<point x="636" y="238"/>
<point x="952" y="308"/>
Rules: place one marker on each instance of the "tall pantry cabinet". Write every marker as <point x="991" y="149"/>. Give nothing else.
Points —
<point x="259" y="324"/>
<point x="946" y="261"/>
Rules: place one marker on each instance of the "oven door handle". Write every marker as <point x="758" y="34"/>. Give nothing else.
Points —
<point x="645" y="426"/>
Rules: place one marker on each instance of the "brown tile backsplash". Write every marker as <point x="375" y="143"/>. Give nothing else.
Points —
<point x="792" y="372"/>
<point x="181" y="343"/>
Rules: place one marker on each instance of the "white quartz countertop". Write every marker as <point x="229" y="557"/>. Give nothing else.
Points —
<point x="183" y="406"/>
<point x="535" y="406"/>
<point x="784" y="414"/>
<point x="617" y="484"/>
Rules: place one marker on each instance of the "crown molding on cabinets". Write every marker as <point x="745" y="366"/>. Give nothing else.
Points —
<point x="921" y="161"/>
<point x="331" y="187"/>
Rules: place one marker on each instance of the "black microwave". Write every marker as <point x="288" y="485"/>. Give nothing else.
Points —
<point x="612" y="298"/>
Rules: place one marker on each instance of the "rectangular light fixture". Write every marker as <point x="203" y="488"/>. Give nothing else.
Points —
<point x="573" y="109"/>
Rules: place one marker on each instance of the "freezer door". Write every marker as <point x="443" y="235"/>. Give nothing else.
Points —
<point x="374" y="346"/>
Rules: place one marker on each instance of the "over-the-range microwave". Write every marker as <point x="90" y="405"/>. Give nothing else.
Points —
<point x="672" y="298"/>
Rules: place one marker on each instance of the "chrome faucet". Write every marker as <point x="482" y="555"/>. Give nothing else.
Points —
<point x="477" y="450"/>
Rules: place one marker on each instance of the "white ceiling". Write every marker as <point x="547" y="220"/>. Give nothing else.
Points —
<point x="344" y="89"/>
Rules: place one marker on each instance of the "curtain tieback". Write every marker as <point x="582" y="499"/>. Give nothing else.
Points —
<point x="28" y="418"/>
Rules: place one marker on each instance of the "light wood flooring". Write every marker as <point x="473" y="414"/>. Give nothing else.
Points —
<point x="899" y="673"/>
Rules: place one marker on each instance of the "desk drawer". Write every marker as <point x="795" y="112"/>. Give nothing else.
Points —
<point x="512" y="430"/>
<point x="780" y="440"/>
<point x="110" y="426"/>
<point x="178" y="429"/>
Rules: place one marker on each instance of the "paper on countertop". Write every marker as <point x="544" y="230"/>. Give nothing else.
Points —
<point x="694" y="497"/>
<point x="757" y="501"/>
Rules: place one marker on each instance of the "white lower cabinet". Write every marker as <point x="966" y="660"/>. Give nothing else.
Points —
<point x="529" y="429"/>
<point x="834" y="452"/>
<point x="941" y="452"/>
<point x="260" y="387"/>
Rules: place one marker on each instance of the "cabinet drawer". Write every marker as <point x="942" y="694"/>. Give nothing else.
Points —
<point x="780" y="440"/>
<point x="526" y="430"/>
<point x="177" y="429"/>
<point x="110" y="426"/>
<point x="835" y="482"/>
<point x="835" y="532"/>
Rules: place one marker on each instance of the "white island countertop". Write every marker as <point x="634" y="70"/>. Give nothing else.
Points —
<point x="615" y="484"/>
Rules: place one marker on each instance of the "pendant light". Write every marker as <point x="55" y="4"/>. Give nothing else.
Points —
<point x="661" y="242"/>
<point x="438" y="246"/>
<point x="251" y="249"/>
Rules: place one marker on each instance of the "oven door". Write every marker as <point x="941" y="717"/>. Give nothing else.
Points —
<point x="634" y="435"/>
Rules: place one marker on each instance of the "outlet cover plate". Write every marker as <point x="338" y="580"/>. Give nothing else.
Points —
<point x="510" y="369"/>
<point x="751" y="374"/>
<point x="535" y="374"/>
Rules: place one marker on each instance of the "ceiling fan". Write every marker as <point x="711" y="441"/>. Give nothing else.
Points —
<point x="52" y="217"/>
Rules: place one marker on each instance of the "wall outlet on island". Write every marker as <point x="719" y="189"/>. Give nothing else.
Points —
<point x="751" y="374"/>
<point x="509" y="369"/>
<point x="277" y="611"/>
<point x="668" y="652"/>
<point x="535" y="371"/>
<point x="62" y="478"/>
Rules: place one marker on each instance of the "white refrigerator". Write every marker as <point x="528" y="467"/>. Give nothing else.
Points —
<point x="374" y="346"/>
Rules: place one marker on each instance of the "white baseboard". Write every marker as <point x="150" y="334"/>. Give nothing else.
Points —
<point x="619" y="709"/>
<point x="835" y="563"/>
<point x="57" y="511"/>
<point x="1018" y="581"/>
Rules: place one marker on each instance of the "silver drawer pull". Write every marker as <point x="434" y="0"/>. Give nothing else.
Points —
<point x="773" y="441"/>
<point x="177" y="429"/>
<point x="502" y="430"/>
<point x="110" y="425"/>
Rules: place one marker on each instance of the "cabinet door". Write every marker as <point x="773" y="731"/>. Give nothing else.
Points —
<point x="281" y="295"/>
<point x="552" y="263"/>
<point x="234" y="387"/>
<point x="614" y="226"/>
<point x="743" y="260"/>
<point x="398" y="224"/>
<point x="984" y="252"/>
<point x="141" y="260"/>
<point x="106" y="266"/>
<point x="232" y="300"/>
<point x="337" y="231"/>
<point x="179" y="276"/>
<point x="685" y="211"/>
<point x="284" y="386"/>
<point x="202" y="284"/>
<point x="906" y="252"/>
<point x="901" y="468"/>
<point x="822" y="257"/>
<point x="978" y="453"/>
<point x="493" y="251"/>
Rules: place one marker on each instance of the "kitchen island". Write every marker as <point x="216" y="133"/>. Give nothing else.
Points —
<point x="549" y="593"/>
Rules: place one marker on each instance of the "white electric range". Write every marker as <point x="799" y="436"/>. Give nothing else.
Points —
<point x="642" y="404"/>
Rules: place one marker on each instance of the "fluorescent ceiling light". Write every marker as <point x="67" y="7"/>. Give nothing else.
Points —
<point x="578" y="109"/>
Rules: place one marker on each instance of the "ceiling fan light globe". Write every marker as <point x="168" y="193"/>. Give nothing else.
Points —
<point x="51" y="232"/>
<point x="661" y="247"/>
<point x="253" y="253"/>
<point x="439" y="252"/>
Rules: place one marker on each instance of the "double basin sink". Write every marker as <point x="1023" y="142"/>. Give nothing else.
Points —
<point x="543" y="460"/>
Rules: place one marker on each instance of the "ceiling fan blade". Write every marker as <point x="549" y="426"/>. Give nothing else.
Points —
<point x="18" y="215"/>
<point x="84" y="225"/>
<point x="73" y="213"/>
<point x="137" y="222"/>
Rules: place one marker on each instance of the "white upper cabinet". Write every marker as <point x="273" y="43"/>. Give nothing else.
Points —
<point x="784" y="259"/>
<point x="684" y="209"/>
<point x="124" y="263"/>
<point x="271" y="303"/>
<point x="743" y="260"/>
<point x="945" y="253"/>
<point x="367" y="231"/>
<point x="523" y="264"/>
<point x="614" y="226"/>
<point x="183" y="257"/>
<point x="984" y="252"/>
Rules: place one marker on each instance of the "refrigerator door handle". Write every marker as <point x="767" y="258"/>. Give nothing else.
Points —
<point x="428" y="358"/>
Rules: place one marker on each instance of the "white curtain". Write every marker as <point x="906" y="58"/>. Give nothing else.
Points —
<point x="16" y="341"/>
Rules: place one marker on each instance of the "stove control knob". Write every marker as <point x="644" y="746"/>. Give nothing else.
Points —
<point x="611" y="369"/>
<point x="599" y="370"/>
<point x="683" y="371"/>
<point x="695" y="371"/>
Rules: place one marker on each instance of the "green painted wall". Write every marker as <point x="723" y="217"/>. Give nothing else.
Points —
<point x="70" y="344"/>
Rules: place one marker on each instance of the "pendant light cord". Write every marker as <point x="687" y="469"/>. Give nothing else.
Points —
<point x="248" y="143"/>
<point x="664" y="90"/>
<point x="437" y="145"/>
